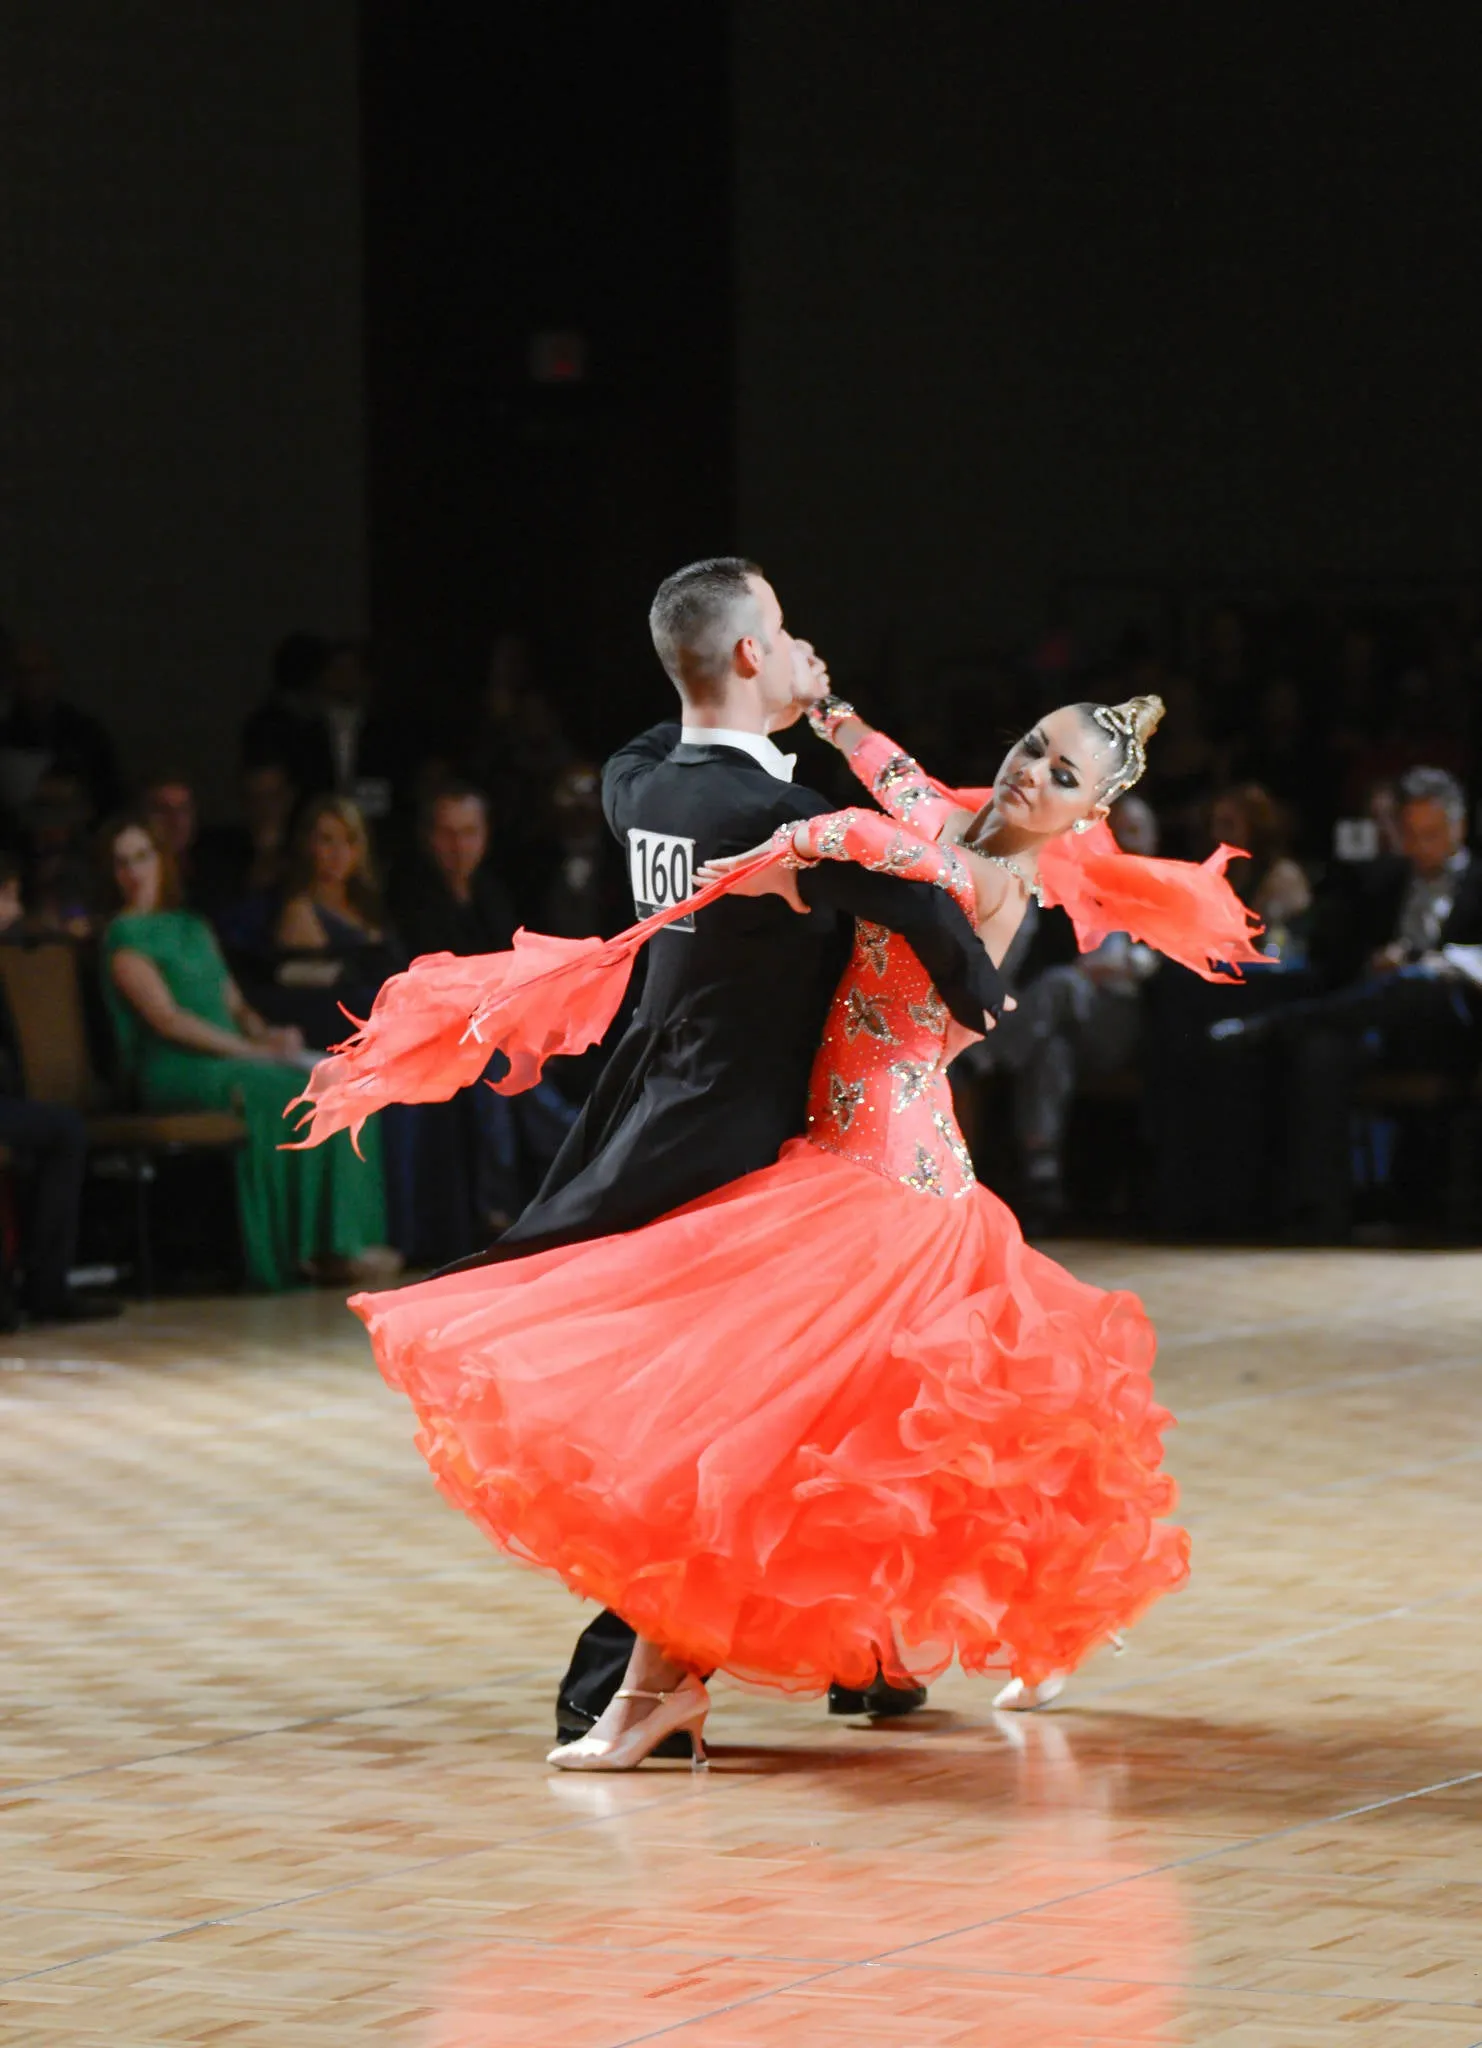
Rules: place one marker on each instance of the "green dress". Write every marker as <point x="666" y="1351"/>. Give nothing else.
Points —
<point x="294" y="1206"/>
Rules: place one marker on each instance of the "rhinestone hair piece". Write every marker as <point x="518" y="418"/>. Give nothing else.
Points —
<point x="1113" y="719"/>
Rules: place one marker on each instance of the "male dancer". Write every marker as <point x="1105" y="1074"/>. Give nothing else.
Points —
<point x="710" y="1078"/>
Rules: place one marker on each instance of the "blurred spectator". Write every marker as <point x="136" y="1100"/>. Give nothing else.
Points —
<point x="586" y="895"/>
<point x="12" y="909"/>
<point x="1222" y="674"/>
<point x="320" y="725"/>
<point x="279" y="732"/>
<point x="333" y="898"/>
<point x="1181" y="769"/>
<point x="41" y="733"/>
<point x="48" y="1145"/>
<point x="187" y="1039"/>
<point x="450" y="900"/>
<point x="60" y="885"/>
<point x="468" y="1165"/>
<point x="332" y="909"/>
<point x="514" y="750"/>
<point x="1270" y="881"/>
<point x="248" y="862"/>
<point x="1082" y="1018"/>
<point x="1406" y="936"/>
<point x="1275" y="751"/>
<point x="171" y="813"/>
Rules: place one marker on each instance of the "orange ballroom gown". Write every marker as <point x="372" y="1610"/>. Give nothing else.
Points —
<point x="837" y="1415"/>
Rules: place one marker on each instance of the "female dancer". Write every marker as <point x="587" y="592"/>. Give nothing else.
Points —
<point x="836" y="1417"/>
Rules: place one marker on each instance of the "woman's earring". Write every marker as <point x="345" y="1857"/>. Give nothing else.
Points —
<point x="1082" y="825"/>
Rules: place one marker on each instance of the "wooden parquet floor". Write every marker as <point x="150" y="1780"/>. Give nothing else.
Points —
<point x="273" y="1721"/>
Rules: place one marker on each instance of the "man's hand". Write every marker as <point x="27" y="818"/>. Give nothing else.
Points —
<point x="769" y="881"/>
<point x="1388" y="958"/>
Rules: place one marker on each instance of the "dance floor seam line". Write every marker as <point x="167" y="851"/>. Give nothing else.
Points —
<point x="330" y="1891"/>
<point x="889" y="1957"/>
<point x="24" y="1787"/>
<point x="1096" y="1690"/>
<point x="1345" y="1383"/>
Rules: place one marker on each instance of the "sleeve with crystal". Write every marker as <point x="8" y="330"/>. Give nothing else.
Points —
<point x="901" y="786"/>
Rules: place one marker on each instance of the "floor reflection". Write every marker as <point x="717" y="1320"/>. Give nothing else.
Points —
<point x="984" y="1879"/>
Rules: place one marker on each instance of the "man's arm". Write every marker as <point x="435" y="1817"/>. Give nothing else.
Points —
<point x="629" y="768"/>
<point x="936" y="930"/>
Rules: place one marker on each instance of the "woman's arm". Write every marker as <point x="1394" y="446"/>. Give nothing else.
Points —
<point x="145" y="989"/>
<point x="278" y="1039"/>
<point x="299" y="929"/>
<point x="898" y="784"/>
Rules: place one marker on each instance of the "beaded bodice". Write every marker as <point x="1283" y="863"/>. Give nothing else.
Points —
<point x="879" y="1094"/>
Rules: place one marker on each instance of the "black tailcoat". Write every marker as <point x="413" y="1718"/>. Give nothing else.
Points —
<point x="711" y="1077"/>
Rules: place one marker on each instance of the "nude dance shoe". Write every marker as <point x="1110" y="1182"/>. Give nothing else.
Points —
<point x="1019" y="1698"/>
<point x="682" y="1710"/>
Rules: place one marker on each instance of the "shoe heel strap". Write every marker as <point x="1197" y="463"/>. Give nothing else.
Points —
<point x="636" y="1692"/>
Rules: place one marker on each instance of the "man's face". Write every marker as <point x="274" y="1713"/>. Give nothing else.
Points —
<point x="171" y="808"/>
<point x="458" y="836"/>
<point x="777" y="675"/>
<point x="1429" y="835"/>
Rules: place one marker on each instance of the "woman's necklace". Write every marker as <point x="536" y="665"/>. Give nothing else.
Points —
<point x="1030" y="884"/>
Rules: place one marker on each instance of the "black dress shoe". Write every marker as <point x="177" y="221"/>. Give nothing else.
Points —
<point x="880" y="1701"/>
<point x="572" y="1724"/>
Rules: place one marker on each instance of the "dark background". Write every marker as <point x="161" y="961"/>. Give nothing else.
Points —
<point x="959" y="318"/>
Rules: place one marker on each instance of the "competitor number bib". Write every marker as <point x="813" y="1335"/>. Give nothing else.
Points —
<point x="661" y="866"/>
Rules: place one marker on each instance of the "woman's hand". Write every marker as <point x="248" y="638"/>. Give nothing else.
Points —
<point x="774" y="880"/>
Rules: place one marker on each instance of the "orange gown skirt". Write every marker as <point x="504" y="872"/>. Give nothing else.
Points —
<point x="811" y="1423"/>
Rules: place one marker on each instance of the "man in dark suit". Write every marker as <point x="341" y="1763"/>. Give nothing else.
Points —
<point x="710" y="1079"/>
<point x="1399" y="943"/>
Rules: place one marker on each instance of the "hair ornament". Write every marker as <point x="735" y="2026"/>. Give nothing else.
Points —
<point x="1133" y="723"/>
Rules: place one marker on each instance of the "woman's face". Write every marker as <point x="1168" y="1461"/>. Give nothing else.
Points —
<point x="1056" y="774"/>
<point x="136" y="868"/>
<point x="333" y="851"/>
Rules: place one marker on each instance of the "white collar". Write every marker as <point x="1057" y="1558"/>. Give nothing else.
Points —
<point x="756" y="744"/>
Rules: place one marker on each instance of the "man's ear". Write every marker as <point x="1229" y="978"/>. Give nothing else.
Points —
<point x="748" y="656"/>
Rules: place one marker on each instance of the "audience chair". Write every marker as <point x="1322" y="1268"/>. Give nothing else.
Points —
<point x="1450" y="1105"/>
<point x="42" y="987"/>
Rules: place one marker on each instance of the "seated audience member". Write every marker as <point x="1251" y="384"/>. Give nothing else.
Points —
<point x="280" y="730"/>
<point x="468" y="1168"/>
<point x="37" y="721"/>
<point x="48" y="1144"/>
<point x="320" y="724"/>
<point x="585" y="894"/>
<point x="60" y="887"/>
<point x="249" y="861"/>
<point x="188" y="1040"/>
<point x="450" y="900"/>
<point x="333" y="905"/>
<point x="171" y="812"/>
<point x="1270" y="882"/>
<point x="1401" y="947"/>
<point x="1080" y="1018"/>
<point x="1179" y="782"/>
<point x="1275" y="753"/>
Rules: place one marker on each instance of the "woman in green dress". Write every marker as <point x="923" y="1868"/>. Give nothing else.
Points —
<point x="189" y="1040"/>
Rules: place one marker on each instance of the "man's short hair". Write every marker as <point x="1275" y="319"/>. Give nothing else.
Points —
<point x="452" y="791"/>
<point x="1434" y="786"/>
<point x="696" y="618"/>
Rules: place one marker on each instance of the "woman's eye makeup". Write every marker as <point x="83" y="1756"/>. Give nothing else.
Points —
<point x="1036" y="749"/>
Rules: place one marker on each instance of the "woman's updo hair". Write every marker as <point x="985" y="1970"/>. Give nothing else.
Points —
<point x="1131" y="725"/>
